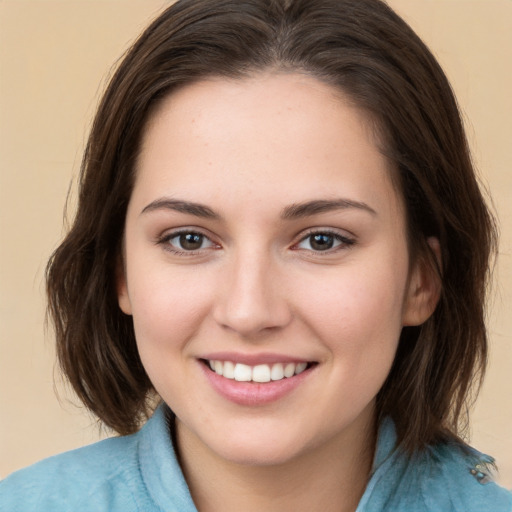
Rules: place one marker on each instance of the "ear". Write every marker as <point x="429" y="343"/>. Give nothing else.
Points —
<point x="424" y="288"/>
<point x="123" y="298"/>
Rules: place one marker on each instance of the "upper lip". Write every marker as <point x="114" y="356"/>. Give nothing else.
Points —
<point x="254" y="359"/>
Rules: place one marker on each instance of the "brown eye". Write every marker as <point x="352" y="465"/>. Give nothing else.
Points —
<point x="191" y="241"/>
<point x="324" y="241"/>
<point x="188" y="241"/>
<point x="321" y="242"/>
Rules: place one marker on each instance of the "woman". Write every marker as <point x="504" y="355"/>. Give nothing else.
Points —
<point x="281" y="238"/>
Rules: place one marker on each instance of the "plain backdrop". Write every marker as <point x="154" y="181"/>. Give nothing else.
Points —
<point x="55" y="58"/>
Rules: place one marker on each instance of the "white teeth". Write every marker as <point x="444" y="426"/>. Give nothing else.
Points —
<point x="229" y="370"/>
<point x="259" y="373"/>
<point x="277" y="372"/>
<point x="289" y="370"/>
<point x="300" y="368"/>
<point x="218" y="367"/>
<point x="243" y="373"/>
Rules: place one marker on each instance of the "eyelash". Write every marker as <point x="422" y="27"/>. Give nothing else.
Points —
<point x="166" y="242"/>
<point x="344" y="242"/>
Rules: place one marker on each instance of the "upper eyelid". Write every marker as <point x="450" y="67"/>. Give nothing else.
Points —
<point x="342" y="233"/>
<point x="168" y="235"/>
<point x="346" y="240"/>
<point x="173" y="232"/>
<point x="165" y="239"/>
<point x="302" y="235"/>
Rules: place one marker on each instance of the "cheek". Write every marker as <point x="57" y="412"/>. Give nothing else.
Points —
<point x="360" y="312"/>
<point x="360" y="325"/>
<point x="167" y="308"/>
<point x="167" y="314"/>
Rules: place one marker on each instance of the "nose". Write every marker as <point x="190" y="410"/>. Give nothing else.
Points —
<point x="252" y="300"/>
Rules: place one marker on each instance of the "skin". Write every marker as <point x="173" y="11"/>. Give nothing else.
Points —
<point x="250" y="151"/>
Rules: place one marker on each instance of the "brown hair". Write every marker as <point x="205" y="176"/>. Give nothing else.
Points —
<point x="359" y="46"/>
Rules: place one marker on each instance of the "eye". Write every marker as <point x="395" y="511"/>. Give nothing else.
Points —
<point x="187" y="241"/>
<point x="323" y="241"/>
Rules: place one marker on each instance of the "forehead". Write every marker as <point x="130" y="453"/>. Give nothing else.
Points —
<point x="221" y="137"/>
<point x="277" y="97"/>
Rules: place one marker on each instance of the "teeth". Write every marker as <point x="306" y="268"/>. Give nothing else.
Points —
<point x="243" y="373"/>
<point x="300" y="368"/>
<point x="229" y="370"/>
<point x="277" y="372"/>
<point x="289" y="370"/>
<point x="218" y="367"/>
<point x="259" y="373"/>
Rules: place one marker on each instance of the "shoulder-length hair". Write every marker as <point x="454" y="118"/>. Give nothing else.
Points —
<point x="365" y="50"/>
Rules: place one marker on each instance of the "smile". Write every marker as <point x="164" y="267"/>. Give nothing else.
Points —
<point x="259" y="373"/>
<point x="257" y="379"/>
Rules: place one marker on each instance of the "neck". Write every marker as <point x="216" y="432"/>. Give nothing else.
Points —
<point x="331" y="477"/>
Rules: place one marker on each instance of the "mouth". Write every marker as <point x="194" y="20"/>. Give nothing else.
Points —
<point x="260" y="373"/>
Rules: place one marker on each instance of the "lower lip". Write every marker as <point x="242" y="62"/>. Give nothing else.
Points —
<point x="253" y="393"/>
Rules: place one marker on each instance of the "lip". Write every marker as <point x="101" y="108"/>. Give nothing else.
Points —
<point x="254" y="394"/>
<point x="253" y="359"/>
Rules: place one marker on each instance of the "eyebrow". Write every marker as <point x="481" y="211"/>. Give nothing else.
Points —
<point x="315" y="207"/>
<point x="294" y="211"/>
<point x="177" y="205"/>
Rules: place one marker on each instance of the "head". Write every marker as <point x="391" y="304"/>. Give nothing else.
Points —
<point x="367" y="53"/>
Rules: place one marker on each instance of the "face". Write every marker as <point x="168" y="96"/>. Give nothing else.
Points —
<point x="266" y="266"/>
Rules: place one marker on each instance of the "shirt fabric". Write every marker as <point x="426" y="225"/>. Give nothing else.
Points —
<point x="140" y="473"/>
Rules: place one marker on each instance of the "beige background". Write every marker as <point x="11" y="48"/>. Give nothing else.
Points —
<point x="54" y="59"/>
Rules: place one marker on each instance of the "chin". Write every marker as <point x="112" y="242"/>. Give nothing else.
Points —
<point x="263" y="453"/>
<point x="261" y="443"/>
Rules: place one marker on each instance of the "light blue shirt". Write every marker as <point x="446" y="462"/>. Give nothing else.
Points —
<point x="140" y="473"/>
